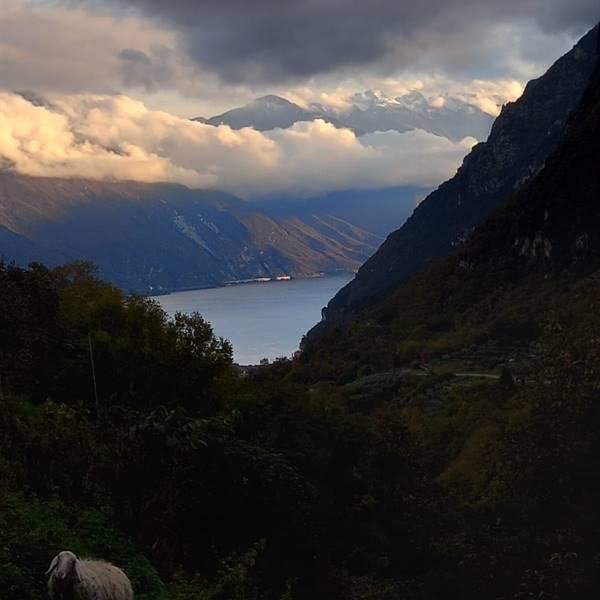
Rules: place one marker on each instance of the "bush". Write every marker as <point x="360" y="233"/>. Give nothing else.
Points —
<point x="32" y="532"/>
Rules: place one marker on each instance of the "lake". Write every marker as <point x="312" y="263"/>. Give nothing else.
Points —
<point x="261" y="320"/>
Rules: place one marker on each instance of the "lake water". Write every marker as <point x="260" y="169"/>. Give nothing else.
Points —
<point x="261" y="320"/>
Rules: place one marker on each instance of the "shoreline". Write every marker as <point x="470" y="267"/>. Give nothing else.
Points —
<point x="240" y="282"/>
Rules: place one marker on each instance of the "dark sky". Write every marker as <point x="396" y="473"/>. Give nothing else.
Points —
<point x="278" y="40"/>
<point x="200" y="57"/>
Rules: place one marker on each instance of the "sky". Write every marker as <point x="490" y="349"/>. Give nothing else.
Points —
<point x="138" y="69"/>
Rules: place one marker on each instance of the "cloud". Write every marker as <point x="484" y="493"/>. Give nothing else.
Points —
<point x="39" y="141"/>
<point x="271" y="40"/>
<point x="204" y="58"/>
<point x="487" y="95"/>
<point x="46" y="47"/>
<point x="119" y="138"/>
<point x="49" y="48"/>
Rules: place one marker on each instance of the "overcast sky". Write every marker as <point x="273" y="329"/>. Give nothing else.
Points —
<point x="198" y="57"/>
<point x="105" y="88"/>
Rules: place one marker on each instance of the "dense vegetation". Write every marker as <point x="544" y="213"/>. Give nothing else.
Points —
<point x="228" y="487"/>
<point x="202" y="483"/>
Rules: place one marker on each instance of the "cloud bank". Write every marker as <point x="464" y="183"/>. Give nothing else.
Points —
<point x="202" y="58"/>
<point x="49" y="47"/>
<point x="274" y="40"/>
<point x="119" y="138"/>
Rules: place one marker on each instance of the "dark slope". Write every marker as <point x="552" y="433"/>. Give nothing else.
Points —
<point x="153" y="237"/>
<point x="372" y="210"/>
<point x="522" y="137"/>
<point x="532" y="256"/>
<point x="142" y="237"/>
<point x="18" y="249"/>
<point x="553" y="224"/>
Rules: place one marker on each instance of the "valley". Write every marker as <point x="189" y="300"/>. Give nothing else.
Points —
<point x="165" y="406"/>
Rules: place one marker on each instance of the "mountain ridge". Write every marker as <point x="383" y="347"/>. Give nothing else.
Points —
<point x="367" y="112"/>
<point x="160" y="237"/>
<point x="522" y="137"/>
<point x="532" y="258"/>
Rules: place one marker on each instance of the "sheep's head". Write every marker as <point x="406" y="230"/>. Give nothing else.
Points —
<point x="62" y="570"/>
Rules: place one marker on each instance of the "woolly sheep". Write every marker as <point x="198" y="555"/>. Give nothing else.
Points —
<point x="74" y="579"/>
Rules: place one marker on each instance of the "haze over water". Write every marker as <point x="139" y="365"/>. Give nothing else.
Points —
<point x="261" y="320"/>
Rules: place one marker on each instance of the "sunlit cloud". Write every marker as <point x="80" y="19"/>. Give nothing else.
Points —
<point x="119" y="138"/>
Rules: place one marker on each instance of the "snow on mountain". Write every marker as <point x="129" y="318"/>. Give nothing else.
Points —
<point x="267" y="112"/>
<point x="367" y="112"/>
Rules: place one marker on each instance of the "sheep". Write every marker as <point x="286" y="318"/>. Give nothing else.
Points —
<point x="73" y="579"/>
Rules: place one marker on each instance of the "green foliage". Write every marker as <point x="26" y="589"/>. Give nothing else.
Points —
<point x="32" y="531"/>
<point x="234" y="580"/>
<point x="400" y="481"/>
<point x="142" y="358"/>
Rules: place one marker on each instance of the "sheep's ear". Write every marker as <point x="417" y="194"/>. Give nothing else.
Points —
<point x="53" y="565"/>
<point x="76" y="571"/>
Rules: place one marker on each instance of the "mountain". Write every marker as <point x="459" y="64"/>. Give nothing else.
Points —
<point x="267" y="112"/>
<point x="156" y="237"/>
<point x="366" y="112"/>
<point x="373" y="210"/>
<point x="533" y="259"/>
<point x="451" y="118"/>
<point x="522" y="137"/>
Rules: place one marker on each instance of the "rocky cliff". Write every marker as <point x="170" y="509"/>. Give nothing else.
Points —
<point x="522" y="137"/>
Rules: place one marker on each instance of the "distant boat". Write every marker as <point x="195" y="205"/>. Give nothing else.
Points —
<point x="283" y="277"/>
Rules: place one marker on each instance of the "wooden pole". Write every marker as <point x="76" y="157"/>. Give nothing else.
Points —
<point x="94" y="375"/>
